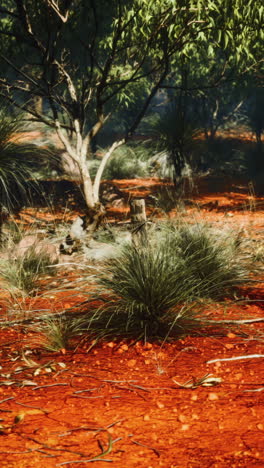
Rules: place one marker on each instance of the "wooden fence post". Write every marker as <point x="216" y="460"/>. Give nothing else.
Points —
<point x="139" y="222"/>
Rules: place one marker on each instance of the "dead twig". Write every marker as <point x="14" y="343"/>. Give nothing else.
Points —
<point x="50" y="385"/>
<point x="48" y="455"/>
<point x="140" y="388"/>
<point x="255" y="390"/>
<point x="97" y="457"/>
<point x="48" y="447"/>
<point x="87" y="397"/>
<point x="34" y="407"/>
<point x="92" y="429"/>
<point x="147" y="446"/>
<point x="81" y="428"/>
<point x="237" y="322"/>
<point x="236" y="358"/>
<point x="6" y="399"/>
<point x="131" y="390"/>
<point x="19" y="453"/>
<point x="89" y="390"/>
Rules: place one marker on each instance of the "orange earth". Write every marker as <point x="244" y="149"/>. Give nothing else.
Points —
<point x="139" y="404"/>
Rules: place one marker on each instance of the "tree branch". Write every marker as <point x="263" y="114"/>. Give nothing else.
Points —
<point x="103" y="163"/>
<point x="64" y="17"/>
<point x="8" y="12"/>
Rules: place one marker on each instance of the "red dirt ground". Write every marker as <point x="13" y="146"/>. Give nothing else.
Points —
<point x="122" y="403"/>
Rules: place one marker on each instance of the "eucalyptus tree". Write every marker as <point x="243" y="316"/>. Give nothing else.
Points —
<point x="85" y="58"/>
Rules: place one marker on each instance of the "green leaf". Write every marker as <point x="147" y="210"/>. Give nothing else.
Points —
<point x="210" y="51"/>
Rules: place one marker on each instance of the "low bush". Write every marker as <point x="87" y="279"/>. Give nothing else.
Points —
<point x="166" y="199"/>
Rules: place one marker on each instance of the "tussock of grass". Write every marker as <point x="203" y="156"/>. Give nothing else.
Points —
<point x="126" y="164"/>
<point x="258" y="255"/>
<point x="211" y="260"/>
<point x="159" y="289"/>
<point x="23" y="272"/>
<point x="166" y="199"/>
<point x="58" y="331"/>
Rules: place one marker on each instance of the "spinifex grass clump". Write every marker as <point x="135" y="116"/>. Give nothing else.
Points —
<point x="146" y="292"/>
<point x="24" y="271"/>
<point x="58" y="331"/>
<point x="158" y="289"/>
<point x="211" y="260"/>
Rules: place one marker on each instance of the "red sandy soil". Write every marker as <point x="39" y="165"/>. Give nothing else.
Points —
<point x="231" y="134"/>
<point x="124" y="403"/>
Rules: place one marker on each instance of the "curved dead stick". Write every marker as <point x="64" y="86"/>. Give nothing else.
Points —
<point x="237" y="322"/>
<point x="237" y="358"/>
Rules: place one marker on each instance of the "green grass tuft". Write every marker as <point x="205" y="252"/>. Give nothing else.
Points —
<point x="23" y="272"/>
<point x="58" y="331"/>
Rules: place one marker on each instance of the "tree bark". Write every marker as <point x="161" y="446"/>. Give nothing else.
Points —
<point x="94" y="218"/>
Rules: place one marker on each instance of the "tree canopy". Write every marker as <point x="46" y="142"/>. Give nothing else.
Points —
<point x="88" y="60"/>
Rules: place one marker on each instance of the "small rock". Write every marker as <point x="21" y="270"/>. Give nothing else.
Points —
<point x="229" y="346"/>
<point x="185" y="427"/>
<point x="213" y="396"/>
<point x="148" y="346"/>
<point x="231" y="335"/>
<point x="110" y="344"/>
<point x="182" y="418"/>
<point x="124" y="347"/>
<point x="159" y="405"/>
<point x="131" y="363"/>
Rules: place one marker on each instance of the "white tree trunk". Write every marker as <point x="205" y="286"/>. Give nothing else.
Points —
<point x="78" y="153"/>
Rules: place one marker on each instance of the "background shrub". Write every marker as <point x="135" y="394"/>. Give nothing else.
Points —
<point x="127" y="163"/>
